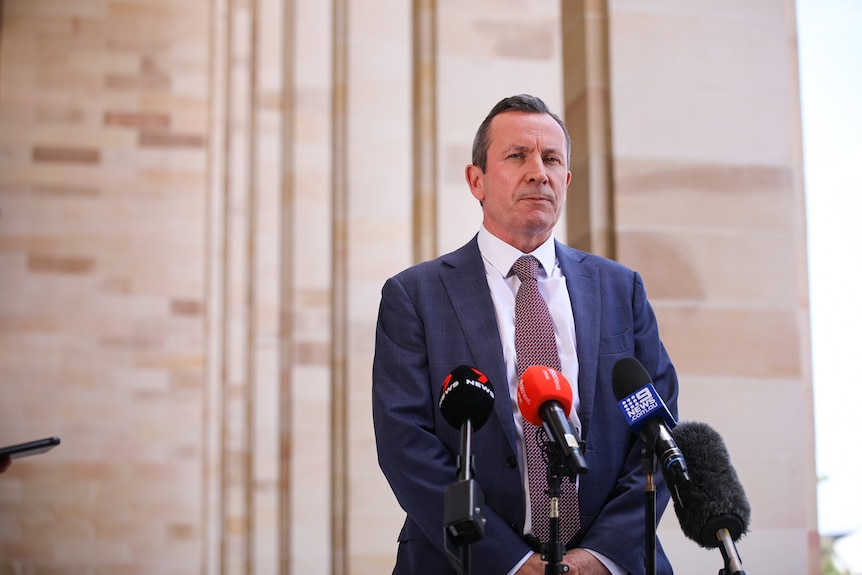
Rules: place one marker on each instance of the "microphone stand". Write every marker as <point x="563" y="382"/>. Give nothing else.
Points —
<point x="554" y="549"/>
<point x="464" y="521"/>
<point x="732" y="561"/>
<point x="649" y="466"/>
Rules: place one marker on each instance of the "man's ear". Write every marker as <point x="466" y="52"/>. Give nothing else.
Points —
<point x="476" y="180"/>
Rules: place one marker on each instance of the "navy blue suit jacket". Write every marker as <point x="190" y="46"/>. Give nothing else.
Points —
<point x="438" y="315"/>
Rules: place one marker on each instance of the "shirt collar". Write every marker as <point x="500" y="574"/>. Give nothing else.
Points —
<point x="502" y="255"/>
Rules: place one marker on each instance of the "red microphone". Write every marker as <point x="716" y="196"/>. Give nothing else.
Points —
<point x="545" y="398"/>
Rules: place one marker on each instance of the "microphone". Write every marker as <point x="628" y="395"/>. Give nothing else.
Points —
<point x="649" y="417"/>
<point x="466" y="402"/>
<point x="467" y="395"/>
<point x="715" y="512"/>
<point x="545" y="397"/>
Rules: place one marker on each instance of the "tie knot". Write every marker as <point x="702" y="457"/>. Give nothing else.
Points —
<point x="526" y="267"/>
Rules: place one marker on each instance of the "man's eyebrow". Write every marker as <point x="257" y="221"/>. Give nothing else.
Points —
<point x="525" y="148"/>
<point x="517" y="148"/>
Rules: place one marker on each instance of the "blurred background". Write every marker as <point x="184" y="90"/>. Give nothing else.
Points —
<point x="830" y="46"/>
<point x="200" y="200"/>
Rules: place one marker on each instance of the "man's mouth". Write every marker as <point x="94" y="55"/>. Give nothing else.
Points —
<point x="537" y="199"/>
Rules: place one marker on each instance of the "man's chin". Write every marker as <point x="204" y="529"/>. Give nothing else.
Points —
<point x="540" y="220"/>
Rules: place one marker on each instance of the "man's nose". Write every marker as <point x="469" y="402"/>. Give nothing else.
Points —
<point x="536" y="170"/>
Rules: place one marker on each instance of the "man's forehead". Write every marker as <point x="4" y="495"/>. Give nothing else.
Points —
<point x="522" y="129"/>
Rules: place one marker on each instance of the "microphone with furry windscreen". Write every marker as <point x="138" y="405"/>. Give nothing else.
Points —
<point x="713" y="510"/>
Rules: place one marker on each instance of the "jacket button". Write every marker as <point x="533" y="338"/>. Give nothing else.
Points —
<point x="511" y="462"/>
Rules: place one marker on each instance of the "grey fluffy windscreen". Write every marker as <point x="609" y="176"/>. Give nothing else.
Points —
<point x="715" y="498"/>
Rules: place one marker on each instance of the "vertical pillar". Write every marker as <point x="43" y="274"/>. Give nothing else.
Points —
<point x="424" y="130"/>
<point x="589" y="210"/>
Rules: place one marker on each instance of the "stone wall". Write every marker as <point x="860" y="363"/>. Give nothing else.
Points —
<point x="199" y="203"/>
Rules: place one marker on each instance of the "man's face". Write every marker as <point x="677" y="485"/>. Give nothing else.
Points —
<point x="523" y="187"/>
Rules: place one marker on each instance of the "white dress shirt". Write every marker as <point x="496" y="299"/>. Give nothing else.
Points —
<point x="499" y="257"/>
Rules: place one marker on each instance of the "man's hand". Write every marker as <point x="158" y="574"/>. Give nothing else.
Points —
<point x="582" y="562"/>
<point x="579" y="562"/>
<point x="533" y="566"/>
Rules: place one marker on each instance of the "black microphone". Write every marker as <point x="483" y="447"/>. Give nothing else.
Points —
<point x="466" y="402"/>
<point x="714" y="510"/>
<point x="467" y="395"/>
<point x="650" y="418"/>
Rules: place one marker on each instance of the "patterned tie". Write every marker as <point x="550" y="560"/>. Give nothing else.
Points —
<point x="535" y="344"/>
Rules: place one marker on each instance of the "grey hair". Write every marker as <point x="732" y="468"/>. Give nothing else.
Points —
<point x="519" y="103"/>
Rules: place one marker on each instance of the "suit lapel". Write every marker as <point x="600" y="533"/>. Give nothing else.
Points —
<point x="582" y="282"/>
<point x="463" y="276"/>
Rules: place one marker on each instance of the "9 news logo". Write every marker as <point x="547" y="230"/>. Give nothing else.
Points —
<point x="642" y="402"/>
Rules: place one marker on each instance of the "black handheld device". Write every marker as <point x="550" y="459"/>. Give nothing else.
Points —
<point x="29" y="448"/>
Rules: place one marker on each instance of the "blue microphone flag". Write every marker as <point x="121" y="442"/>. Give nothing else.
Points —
<point x="643" y="405"/>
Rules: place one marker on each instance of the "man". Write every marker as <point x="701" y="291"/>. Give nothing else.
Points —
<point x="459" y="309"/>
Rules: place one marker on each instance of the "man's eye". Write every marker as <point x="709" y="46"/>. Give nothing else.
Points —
<point x="552" y="159"/>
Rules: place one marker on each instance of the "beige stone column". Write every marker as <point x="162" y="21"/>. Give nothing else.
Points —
<point x="586" y="87"/>
<point x="246" y="484"/>
<point x="710" y="208"/>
